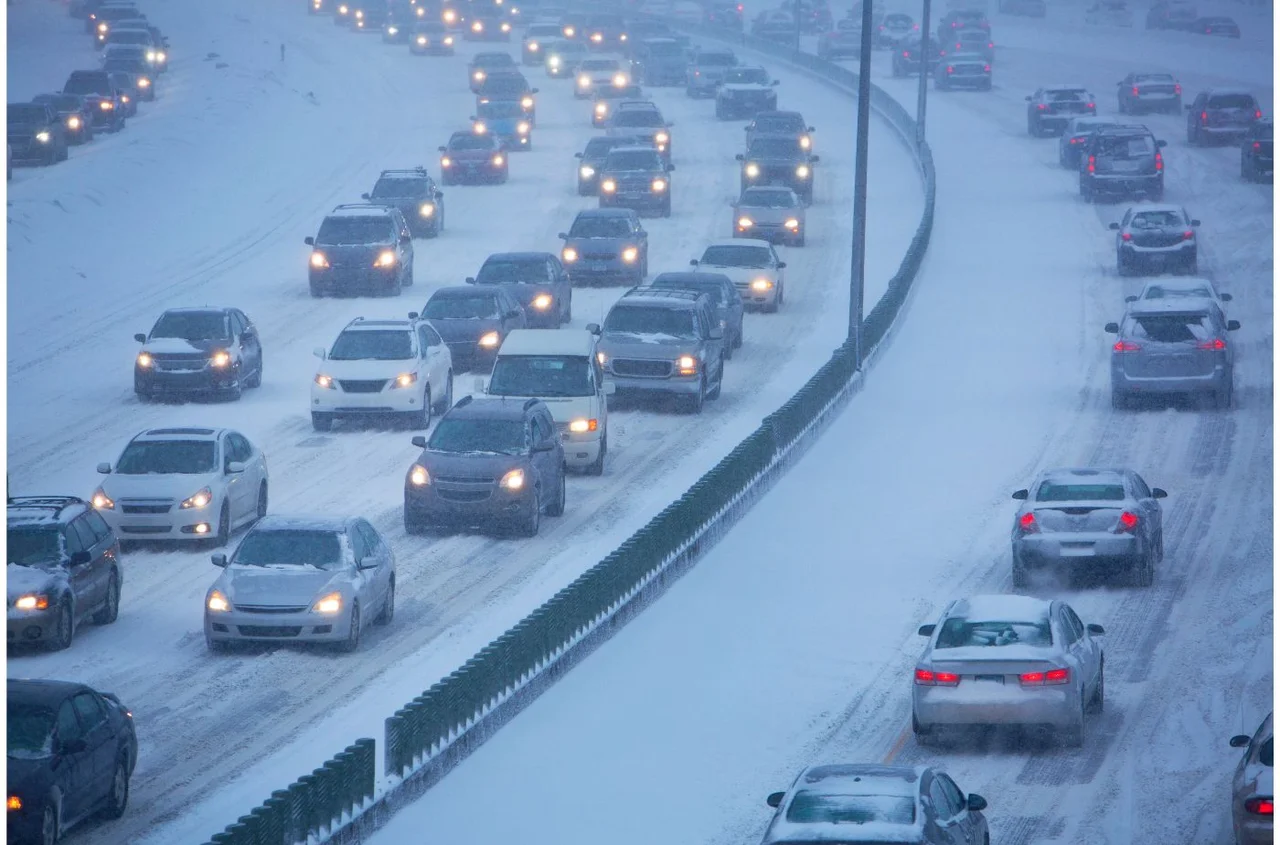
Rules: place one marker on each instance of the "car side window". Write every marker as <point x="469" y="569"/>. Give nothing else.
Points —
<point x="552" y="275"/>
<point x="238" y="448"/>
<point x="68" y="725"/>
<point x="955" y="798"/>
<point x="89" y="710"/>
<point x="371" y="539"/>
<point x="87" y="538"/>
<point x="72" y="539"/>
<point x="358" y="544"/>
<point x="1072" y="630"/>
<point x="101" y="530"/>
<point x="424" y="340"/>
<point x="1140" y="488"/>
<point x="1073" y="620"/>
<point x="237" y="325"/>
<point x="938" y="797"/>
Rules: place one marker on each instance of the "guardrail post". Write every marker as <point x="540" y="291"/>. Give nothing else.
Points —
<point x="367" y="777"/>
<point x="302" y="796"/>
<point x="282" y="801"/>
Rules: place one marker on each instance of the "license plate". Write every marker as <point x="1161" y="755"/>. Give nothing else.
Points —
<point x="991" y="679"/>
<point x="598" y="266"/>
<point x="1077" y="549"/>
<point x="1127" y="166"/>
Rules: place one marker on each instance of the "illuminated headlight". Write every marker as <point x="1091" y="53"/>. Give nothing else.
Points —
<point x="329" y="604"/>
<point x="427" y="209"/>
<point x="220" y="359"/>
<point x="506" y="27"/>
<point x="622" y="37"/>
<point x="198" y="500"/>
<point x="479" y="128"/>
<point x="151" y="55"/>
<point x="386" y="258"/>
<point x="324" y="381"/>
<point x="143" y="82"/>
<point x="542" y="301"/>
<point x="318" y="260"/>
<point x="601" y="358"/>
<point x="792" y="224"/>
<point x="448" y="41"/>
<point x="102" y="501"/>
<point x="522" y="128"/>
<point x="554" y="61"/>
<point x="586" y="171"/>
<point x="145" y="360"/>
<point x="418" y="476"/>
<point x="422" y="40"/>
<point x="342" y="10"/>
<point x="569" y="255"/>
<point x="762" y="285"/>
<point x="102" y="27"/>
<point x="498" y="160"/>
<point x="478" y="76"/>
<point x="532" y="46"/>
<point x="753" y="170"/>
<point x="124" y="98"/>
<point x="630" y="254"/>
<point x="32" y="601"/>
<point x="661" y="138"/>
<point x="526" y="102"/>
<point x="490" y="339"/>
<point x="745" y="223"/>
<point x="597" y="37"/>
<point x="659" y="185"/>
<point x="360" y="13"/>
<point x="476" y="26"/>
<point x="217" y="602"/>
<point x="582" y="425"/>
<point x="106" y="105"/>
<point x="687" y="364"/>
<point x="608" y="186"/>
<point x="446" y="162"/>
<point x="803" y="171"/>
<point x="43" y="137"/>
<point x="513" y="480"/>
<point x="450" y="16"/>
<point x="584" y="82"/>
<point x="162" y="57"/>
<point x="405" y="380"/>
<point x="601" y="109"/>
<point x="569" y="31"/>
<point x="619" y="80"/>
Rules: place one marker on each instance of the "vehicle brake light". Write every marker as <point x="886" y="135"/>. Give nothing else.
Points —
<point x="1217" y="344"/>
<point x="1159" y="162"/>
<point x="1177" y="88"/>
<point x="1039" y="679"/>
<point x="1041" y="106"/>
<point x="1126" y="236"/>
<point x="1257" y="145"/>
<point x="906" y="54"/>
<point x="1092" y="164"/>
<point x="926" y="678"/>
<point x="1257" y="114"/>
<point x="1260" y="806"/>
<point x="1073" y="140"/>
<point x="1135" y="90"/>
<point x="1128" y="521"/>
<point x="1204" y="117"/>
<point x="1027" y="522"/>
<point x="986" y="68"/>
<point x="1188" y="235"/>
<point x="1091" y="106"/>
<point x="950" y="69"/>
<point x="1125" y="346"/>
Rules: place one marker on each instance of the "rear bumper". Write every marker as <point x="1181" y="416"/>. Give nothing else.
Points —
<point x="1219" y="379"/>
<point x="1125" y="185"/>
<point x="478" y="173"/>
<point x="953" y="81"/>
<point x="1144" y="102"/>
<point x="1072" y="550"/>
<point x="1252" y="830"/>
<point x="774" y="233"/>
<point x="1232" y="131"/>
<point x="1183" y="253"/>
<point x="979" y="703"/>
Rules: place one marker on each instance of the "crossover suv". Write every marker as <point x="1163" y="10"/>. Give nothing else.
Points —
<point x="417" y="197"/>
<point x="605" y="244"/>
<point x="141" y="77"/>
<point x="1173" y="346"/>
<point x="183" y="484"/>
<point x="536" y="280"/>
<point x="103" y="96"/>
<point x="1122" y="161"/>
<point x="637" y="178"/>
<point x="36" y="133"/>
<point x="1156" y="237"/>
<point x="752" y="265"/>
<point x="469" y="158"/>
<point x="664" y="342"/>
<point x="1050" y="108"/>
<point x="490" y="462"/>
<point x="302" y="579"/>
<point x="64" y="569"/>
<point x="391" y="368"/>
<point x="705" y="70"/>
<point x="1221" y="114"/>
<point x="659" y="61"/>
<point x="473" y="320"/>
<point x="1257" y="152"/>
<point x="774" y="214"/>
<point x="725" y="301"/>
<point x="644" y="122"/>
<point x="1140" y="93"/>
<point x="745" y="91"/>
<point x="74" y="112"/>
<point x="1076" y="135"/>
<point x="198" y="352"/>
<point x="778" y="160"/>
<point x="361" y="247"/>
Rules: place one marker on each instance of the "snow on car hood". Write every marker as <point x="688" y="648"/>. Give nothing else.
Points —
<point x="266" y="585"/>
<point x="367" y="369"/>
<point x="175" y="345"/>
<point x="743" y="275"/>
<point x="33" y="579"/>
<point x="157" y="486"/>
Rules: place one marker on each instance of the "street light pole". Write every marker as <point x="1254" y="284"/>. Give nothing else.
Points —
<point x="857" y="267"/>
<point x="925" y="50"/>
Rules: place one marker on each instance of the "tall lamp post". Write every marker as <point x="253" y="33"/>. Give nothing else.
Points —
<point x="857" y="267"/>
<point x="921" y="96"/>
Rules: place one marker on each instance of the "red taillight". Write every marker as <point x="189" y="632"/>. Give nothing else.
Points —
<point x="1217" y="344"/>
<point x="1128" y="521"/>
<point x="1159" y="162"/>
<point x="1126" y="236"/>
<point x="1204" y="117"/>
<point x="1177" y="88"/>
<point x="1041" y="106"/>
<point x="926" y="678"/>
<point x="1257" y="145"/>
<point x="954" y="24"/>
<point x="882" y="28"/>
<point x="1040" y="679"/>
<point x="1188" y="235"/>
<point x="1091" y="106"/>
<point x="991" y="45"/>
<point x="739" y="7"/>
<point x="950" y="69"/>
<point x="1260" y="806"/>
<point x="958" y="46"/>
<point x="1027" y="522"/>
<point x="986" y="68"/>
<point x="1135" y="90"/>
<point x="1125" y="346"/>
<point x="915" y="27"/>
<point x="1092" y="164"/>
<point x="1257" y="115"/>
<point x="906" y="54"/>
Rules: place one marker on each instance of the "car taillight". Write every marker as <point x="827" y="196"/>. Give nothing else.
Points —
<point x="1188" y="235"/>
<point x="1125" y="346"/>
<point x="1050" y="678"/>
<point x="1126" y="236"/>
<point x="950" y="69"/>
<point x="906" y="54"/>
<point x="1128" y="522"/>
<point x="927" y="678"/>
<point x="1159" y="162"/>
<point x="1260" y="806"/>
<point x="1092" y="164"/>
<point x="1027" y="522"/>
<point x="1257" y="145"/>
<point x="1135" y="90"/>
<point x="1204" y="117"/>
<point x="1257" y="114"/>
<point x="1208" y="32"/>
<point x="1217" y="344"/>
<point x="1074" y="140"/>
<point x="1041" y="106"/>
<point x="986" y="68"/>
<point x="1177" y="88"/>
<point x="1091" y="106"/>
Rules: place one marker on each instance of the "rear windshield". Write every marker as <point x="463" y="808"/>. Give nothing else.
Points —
<point x="638" y="160"/>
<point x="478" y="306"/>
<point x="1051" y="491"/>
<point x="600" y="227"/>
<point x="291" y="547"/>
<point x="1064" y="96"/>
<point x="1153" y="77"/>
<point x="748" y="75"/>
<point x="397" y="188"/>
<point x="34" y="546"/>
<point x="1124" y="146"/>
<point x="809" y="807"/>
<point x="738" y="256"/>
<point x="341" y="231"/>
<point x="632" y="319"/>
<point x="717" y="59"/>
<point x="191" y="325"/>
<point x="775" y="148"/>
<point x="1156" y="220"/>
<point x="471" y="434"/>
<point x="370" y="345"/>
<point x="26" y="114"/>
<point x="1170" y="328"/>
<point x="1185" y="291"/>
<point x="541" y="375"/>
<point x="532" y="271"/>
<point x="766" y="198"/>
<point x="958" y="632"/>
<point x="1232" y="101"/>
<point x="470" y="142"/>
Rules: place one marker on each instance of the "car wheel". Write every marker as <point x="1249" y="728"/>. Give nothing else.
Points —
<point x="421" y="418"/>
<point x="714" y="393"/>
<point x="1193" y="137"/>
<point x="388" y="607"/>
<point x="321" y="422"/>
<point x="557" y="507"/>
<point x="446" y="401"/>
<point x="413" y="527"/>
<point x="1123" y="267"/>
<point x="352" y="642"/>
<point x="1099" y="692"/>
<point x="1222" y="398"/>
<point x="224" y="526"/>
<point x="1032" y="129"/>
<point x="728" y="350"/>
<point x="596" y="467"/>
<point x="1021" y="580"/>
<point x="1086" y="192"/>
<point x="695" y="402"/>
<point x="534" y="520"/>
<point x="1143" y="573"/>
<point x="262" y="501"/>
<point x="66" y="629"/>
<point x="118" y="797"/>
<point x="49" y="832"/>
<point x="924" y="734"/>
<point x="111" y="607"/>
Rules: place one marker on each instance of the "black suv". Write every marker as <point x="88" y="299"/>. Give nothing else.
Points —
<point x="74" y="113"/>
<point x="1221" y="114"/>
<point x="489" y="462"/>
<point x="36" y="133"/>
<point x="778" y="160"/>
<point x="361" y="247"/>
<point x="592" y="159"/>
<point x="64" y="569"/>
<point x="417" y="197"/>
<point x="198" y="351"/>
<point x="1256" y="152"/>
<point x="636" y="177"/>
<point x="101" y="95"/>
<point x="1122" y="161"/>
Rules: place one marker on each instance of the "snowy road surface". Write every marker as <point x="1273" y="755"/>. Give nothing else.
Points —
<point x="206" y="198"/>
<point x="793" y="642"/>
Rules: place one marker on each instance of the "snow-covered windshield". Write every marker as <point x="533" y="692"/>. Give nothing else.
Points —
<point x="531" y="272"/>
<point x="810" y="807"/>
<point x="648" y="320"/>
<point x="475" y="307"/>
<point x="541" y="375"/>
<point x="780" y="125"/>
<point x="768" y="198"/>
<point x="291" y="547"/>
<point x="638" y="117"/>
<point x="1054" y="491"/>
<point x="346" y="231"/>
<point x="633" y="160"/>
<point x="737" y="256"/>
<point x="389" y="187"/>
<point x="747" y="76"/>
<point x="168" y="457"/>
<point x="192" y="325"/>
<point x="958" y="632"/>
<point x="368" y="345"/>
<point x="31" y="545"/>
<point x="503" y="437"/>
<point x="1193" y="291"/>
<point x="30" y="733"/>
<point x="117" y="36"/>
<point x="775" y="148"/>
<point x="600" y="227"/>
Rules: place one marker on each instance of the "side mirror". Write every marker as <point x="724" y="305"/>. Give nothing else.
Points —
<point x="219" y="560"/>
<point x="1232" y="325"/>
<point x="610" y="388"/>
<point x="926" y="630"/>
<point x="1131" y="299"/>
<point x="1239" y="741"/>
<point x="738" y="157"/>
<point x="235" y="468"/>
<point x="782" y="265"/>
<point x="716" y="333"/>
<point x="1027" y="98"/>
<point x="1225" y="297"/>
<point x="976" y="803"/>
<point x="594" y="328"/>
<point x="1162" y="143"/>
<point x="371" y="562"/>
<point x="775" y="799"/>
<point x="1096" y="630"/>
<point x="309" y="241"/>
<point x="104" y="468"/>
<point x="671" y="168"/>
<point x="141" y="338"/>
<point x="562" y="236"/>
<point x="1157" y="493"/>
<point x="577" y="155"/>
<point x="1111" y="328"/>
<point x="1195" y="222"/>
<point x="443" y="149"/>
<point x="1021" y="495"/>
<point x="1115" y="227"/>
<point x="693" y="262"/>
<point x="533" y="90"/>
<point x="318" y="352"/>
<point x="80" y="558"/>
<point x="413" y="315"/>
<point x="419" y="441"/>
<point x="366" y="196"/>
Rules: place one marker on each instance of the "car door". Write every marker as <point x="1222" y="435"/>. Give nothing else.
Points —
<point x="89" y="579"/>
<point x="250" y="344"/>
<point x="1074" y="650"/>
<point x="778" y="264"/>
<point x="77" y="576"/>
<point x="362" y="579"/>
<point x="553" y="459"/>
<point x="938" y="811"/>
<point x="715" y="346"/>
<point x="378" y="579"/>
<point x="735" y="307"/>
<point x="237" y="484"/>
<point x="101" y="743"/>
<point x="1090" y="653"/>
<point x="72" y="769"/>
<point x="430" y="358"/>
<point x="966" y="826"/>
<point x="642" y="237"/>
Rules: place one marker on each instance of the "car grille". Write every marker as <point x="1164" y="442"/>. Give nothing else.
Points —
<point x="641" y="368"/>
<point x="270" y="630"/>
<point x="362" y="385"/>
<point x="180" y="362"/>
<point x="463" y="496"/>
<point x="465" y="479"/>
<point x="125" y="508"/>
<point x="635" y="185"/>
<point x="145" y="529"/>
<point x="270" y="608"/>
<point x="600" y="256"/>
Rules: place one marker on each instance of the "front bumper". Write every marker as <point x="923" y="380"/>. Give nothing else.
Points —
<point x="981" y="703"/>
<point x="474" y="173"/>
<point x="1218" y="380"/>
<point x="28" y="149"/>
<point x="32" y="626"/>
<point x="1074" y="550"/>
<point x="647" y="201"/>
<point x="431" y="49"/>
<point x="155" y="382"/>
<point x="174" y="523"/>
<point x="775" y="233"/>
<point x="1260" y="162"/>
<point x="580" y="450"/>
<point x="757" y="298"/>
<point x="388" y="400"/>
<point x="468" y="355"/>
<point x="346" y="280"/>
<point x="300" y="626"/>
<point x="670" y="386"/>
<point x="466" y="505"/>
<point x="584" y="271"/>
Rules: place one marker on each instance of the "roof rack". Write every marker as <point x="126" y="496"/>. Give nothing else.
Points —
<point x="415" y="171"/>
<point x="45" y="501"/>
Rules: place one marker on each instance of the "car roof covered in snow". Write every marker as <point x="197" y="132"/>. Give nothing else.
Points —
<point x="1217" y="92"/>
<point x="190" y="433"/>
<point x="1180" y="305"/>
<point x="360" y="323"/>
<point x="361" y="211"/>
<point x="1172" y="284"/>
<point x="489" y="407"/>
<point x="776" y="115"/>
<point x="1063" y="87"/>
<point x="47" y="510"/>
<point x="290" y="522"/>
<point x="1068" y="475"/>
<point x="548" y="342"/>
<point x="852" y="778"/>
<point x="594" y="213"/>
<point x="1156" y="206"/>
<point x="199" y="309"/>
<point x="518" y="256"/>
<point x="1000" y="608"/>
<point x="682" y="278"/>
<point x="739" y="242"/>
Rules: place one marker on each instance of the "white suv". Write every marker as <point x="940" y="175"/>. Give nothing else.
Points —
<point x="183" y="484"/>
<point x="383" y="367"/>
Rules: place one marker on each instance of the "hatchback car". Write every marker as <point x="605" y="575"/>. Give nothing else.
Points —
<point x="536" y="280"/>
<point x="183" y="484"/>
<point x="774" y="214"/>
<point x="1156" y="237"/>
<point x="1050" y="108"/>
<point x="490" y="462"/>
<point x="1257" y="152"/>
<point x="842" y="42"/>
<point x="753" y="266"/>
<point x="302" y="580"/>
<point x="361" y="247"/>
<point x="1008" y="661"/>
<point x="1140" y="93"/>
<point x="1253" y="787"/>
<point x="471" y="159"/>
<point x="1221" y="114"/>
<point x="1122" y="161"/>
<point x="417" y="197"/>
<point x="1074" y="520"/>
<point x="64" y="569"/>
<point x="1173" y="347"/>
<point x="473" y="321"/>
<point x="198" y="352"/>
<point x="778" y="123"/>
<point x="973" y="41"/>
<point x="963" y="70"/>
<point x="606" y="244"/>
<point x="725" y="301"/>
<point x="868" y="804"/>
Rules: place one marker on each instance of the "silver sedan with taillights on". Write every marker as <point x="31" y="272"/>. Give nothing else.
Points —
<point x="1010" y="661"/>
<point x="1076" y="520"/>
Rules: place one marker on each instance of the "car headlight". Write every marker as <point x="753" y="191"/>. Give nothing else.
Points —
<point x="124" y="98"/>
<point x="630" y="254"/>
<point x="582" y="425"/>
<point x="554" y="61"/>
<point x="601" y="109"/>
<point x="542" y="301"/>
<point x="477" y="27"/>
<point x="569" y="255"/>
<point x="318" y="260"/>
<point x="342" y="10"/>
<point x="217" y="602"/>
<point x="220" y="359"/>
<point x="73" y="122"/>
<point x="490" y="339"/>
<point x="106" y="105"/>
<point x="418" y="476"/>
<point x="386" y="258"/>
<point x="43" y="136"/>
<point x="143" y="82"/>
<point x="619" y="80"/>
<point x="597" y="37"/>
<point x="513" y="480"/>
<point x="145" y="360"/>
<point x="405" y="380"/>
<point x="478" y="76"/>
<point x="324" y="381"/>
<point x="687" y="364"/>
<point x="422" y="40"/>
<point x="329" y="604"/>
<point x="448" y="41"/>
<point x="161" y="56"/>
<point x="522" y="128"/>
<point x="391" y="30"/>
<point x="102" y="27"/>
<point x="792" y="223"/>
<point x="151" y="55"/>
<point x="659" y="185"/>
<point x="360" y="13"/>
<point x="586" y="171"/>
<point x="745" y="223"/>
<point x="497" y="161"/>
<point x="32" y="601"/>
<point x="602" y="358"/>
<point x="803" y="171"/>
<point x="532" y="46"/>
<point x="506" y="27"/>
<point x="427" y="209"/>
<point x="569" y="31"/>
<point x="446" y="162"/>
<point x="584" y="82"/>
<point x="102" y="501"/>
<point x="762" y="285"/>
<point x="608" y="186"/>
<point x="479" y="128"/>
<point x="753" y="170"/>
<point x="450" y="16"/>
<point x="662" y="137"/>
<point x="526" y="103"/>
<point x="198" y="500"/>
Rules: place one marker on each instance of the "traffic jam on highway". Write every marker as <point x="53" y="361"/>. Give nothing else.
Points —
<point x="505" y="405"/>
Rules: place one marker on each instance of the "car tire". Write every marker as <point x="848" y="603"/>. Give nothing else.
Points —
<point x="1097" y="700"/>
<point x="1143" y="571"/>
<point x="666" y="209"/>
<point x="388" y="611"/>
<point x="111" y="607"/>
<point x="352" y="642"/>
<point x="714" y="393"/>
<point x="446" y="401"/>
<point x="321" y="422"/>
<point x="118" y="796"/>
<point x="728" y="350"/>
<point x="66" y="629"/>
<point x="596" y="467"/>
<point x="1021" y="580"/>
<point x="1086" y="192"/>
<point x="1222" y="398"/>
<point x="533" y="522"/>
<point x="1123" y="267"/>
<point x="556" y="508"/>
<point x="925" y="735"/>
<point x="261" y="507"/>
<point x="1032" y="128"/>
<point x="420" y="420"/>
<point x="694" y="403"/>
<point x="1193" y="135"/>
<point x="1119" y="399"/>
<point x="737" y="338"/>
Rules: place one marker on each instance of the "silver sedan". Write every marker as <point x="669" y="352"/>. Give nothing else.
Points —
<point x="302" y="580"/>
<point x="1009" y="661"/>
<point x="774" y="214"/>
<point x="1253" y="788"/>
<point x="1100" y="519"/>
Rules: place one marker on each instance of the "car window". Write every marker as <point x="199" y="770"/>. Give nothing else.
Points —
<point x="372" y="345"/>
<point x="371" y="539"/>
<point x="1232" y="101"/>
<point x="1053" y="491"/>
<point x="87" y="538"/>
<point x="237" y="323"/>
<point x="541" y="429"/>
<point x="68" y="724"/>
<point x="955" y="798"/>
<point x="1265" y="752"/>
<point x="240" y="448"/>
<point x="963" y="632"/>
<point x="812" y="807"/>
<point x="347" y="231"/>
<point x="1170" y="328"/>
<point x="938" y="796"/>
<point x="358" y="543"/>
<point x="1123" y="146"/>
<point x="541" y="375"/>
<point x="101" y="530"/>
<point x="424" y="340"/>
<point x="1140" y="488"/>
<point x="90" y="711"/>
<point x="1070" y="632"/>
<point x="72" y="540"/>
<point x="1162" y="219"/>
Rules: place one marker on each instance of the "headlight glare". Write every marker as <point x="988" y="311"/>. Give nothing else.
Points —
<point x="522" y="128"/>
<point x="220" y="359"/>
<point x="386" y="258"/>
<point x="586" y="171"/>
<point x="497" y="161"/>
<point x="513" y="480"/>
<point x="542" y="301"/>
<point x="422" y="40"/>
<point x="569" y="254"/>
<point x="329" y="604"/>
<point x="792" y="223"/>
<point x="145" y="360"/>
<point x="762" y="285"/>
<point x="753" y="170"/>
<point x="745" y="223"/>
<point x="324" y="381"/>
<point x="427" y="209"/>
<point x="582" y="425"/>
<point x="102" y="501"/>
<point x="608" y="186"/>
<point x="630" y="254"/>
<point x="687" y="364"/>
<point x="73" y="122"/>
<point x="32" y="601"/>
<point x="526" y="103"/>
<point x="217" y="602"/>
<point x="418" y="476"/>
<point x="619" y="81"/>
<point x="43" y="137"/>
<point x="803" y="171"/>
<point x="446" y="162"/>
<point x="490" y="339"/>
<point x="197" y="500"/>
<point x="479" y="128"/>
<point x="662" y="137"/>
<point x="659" y="185"/>
<point x="318" y="260"/>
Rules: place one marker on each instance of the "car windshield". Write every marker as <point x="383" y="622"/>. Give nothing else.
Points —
<point x="502" y="437"/>
<point x="390" y="187"/>
<point x="599" y="147"/>
<point x="493" y="60"/>
<point x="119" y="65"/>
<point x="499" y="109"/>
<point x="600" y="227"/>
<point x="502" y="85"/>
<point x="128" y="37"/>
<point x="600" y="64"/>
<point x="541" y="375"/>
<point x="810" y="807"/>
<point x="637" y="160"/>
<point x="766" y="198"/>
<point x="85" y="85"/>
<point x="192" y="325"/>
<point x="1231" y="101"/>
<point x="672" y="322"/>
<point x="30" y="731"/>
<point x="1124" y="146"/>
<point x="665" y="48"/>
<point x="1163" y="219"/>
<point x="747" y="75"/>
<point x="62" y="102"/>
<point x="530" y="272"/>
<point x="26" y="114"/>
<point x="1158" y="291"/>
<point x="775" y="148"/>
<point x="166" y="457"/>
<point x="1054" y="491"/>
<point x="470" y="142"/>
<point x="638" y="117"/>
<point x="958" y="632"/>
<point x="1170" y="328"/>
<point x="737" y="256"/>
<point x="781" y="125"/>
<point x="716" y="60"/>
<point x="474" y="307"/>
<point x="291" y="547"/>
<point x="370" y="345"/>
<point x="31" y="545"/>
<point x="713" y="290"/>
<point x="345" y="231"/>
